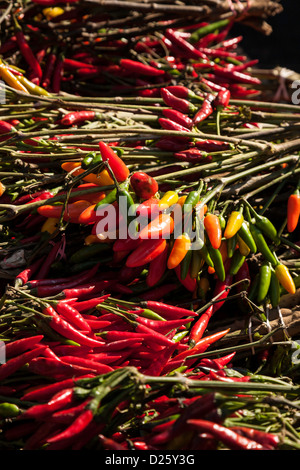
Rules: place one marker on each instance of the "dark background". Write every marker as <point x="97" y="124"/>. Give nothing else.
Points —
<point x="282" y="47"/>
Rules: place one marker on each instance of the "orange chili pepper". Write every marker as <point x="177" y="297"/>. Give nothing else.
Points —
<point x="50" y="225"/>
<point x="101" y="179"/>
<point x="284" y="277"/>
<point x="161" y="226"/>
<point x="2" y="188"/>
<point x="71" y="213"/>
<point x="293" y="211"/>
<point x="179" y="250"/>
<point x="213" y="229"/>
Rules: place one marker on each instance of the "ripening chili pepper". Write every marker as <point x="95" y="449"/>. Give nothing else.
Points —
<point x="245" y="234"/>
<point x="193" y="155"/>
<point x="293" y="211"/>
<point x="222" y="290"/>
<point x="157" y="268"/>
<point x="185" y="266"/>
<point x="77" y="117"/>
<point x="199" y="327"/>
<point x="208" y="28"/>
<point x="178" y="117"/>
<point x="161" y="226"/>
<point x="50" y="225"/>
<point x="180" y="104"/>
<point x="262" y="245"/>
<point x="274" y="290"/>
<point x="234" y="224"/>
<point x="226" y="435"/>
<point x="168" y="199"/>
<point x="49" y="68"/>
<point x="284" y="277"/>
<point x="166" y="310"/>
<point x="32" y="88"/>
<point x="264" y="282"/>
<point x="101" y="179"/>
<point x="205" y="110"/>
<point x="146" y="252"/>
<point x="179" y="250"/>
<point x="143" y="185"/>
<point x="15" y="363"/>
<point x="71" y="212"/>
<point x="213" y="229"/>
<point x="27" y="52"/>
<point x="118" y="167"/>
<point x="11" y="79"/>
<point x="183" y="92"/>
<point x="218" y="264"/>
<point x="206" y="256"/>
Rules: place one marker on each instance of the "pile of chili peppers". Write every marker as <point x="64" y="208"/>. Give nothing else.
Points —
<point x="119" y="337"/>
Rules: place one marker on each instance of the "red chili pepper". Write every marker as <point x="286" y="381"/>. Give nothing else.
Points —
<point x="58" y="74"/>
<point x="14" y="364"/>
<point x="222" y="99"/>
<point x="161" y="226"/>
<point x="57" y="370"/>
<point x="213" y="86"/>
<point x="205" y="111"/>
<point x="79" y="425"/>
<point x="27" y="52"/>
<point x="143" y="185"/>
<point x="166" y="310"/>
<point x="92" y="288"/>
<point x="235" y="75"/>
<point x="97" y="367"/>
<point x="117" y="165"/>
<point x="72" y="315"/>
<point x="226" y="435"/>
<point x="220" y="287"/>
<point x="44" y="392"/>
<point x="182" y="92"/>
<point x="64" y="328"/>
<point x="175" y="144"/>
<point x="140" y="68"/>
<point x="146" y="252"/>
<point x="178" y="117"/>
<point x="262" y="437"/>
<point x="189" y="50"/>
<point x="200" y="326"/>
<point x="89" y="304"/>
<point x="174" y="102"/>
<point x="211" y="145"/>
<point x="77" y="117"/>
<point x="24" y="276"/>
<point x="245" y="65"/>
<point x="193" y="155"/>
<point x="172" y="125"/>
<point x="18" y="346"/>
<point x="157" y="268"/>
<point x="43" y="272"/>
<point x="58" y="401"/>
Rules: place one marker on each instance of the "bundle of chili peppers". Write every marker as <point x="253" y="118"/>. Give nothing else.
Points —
<point x="139" y="197"/>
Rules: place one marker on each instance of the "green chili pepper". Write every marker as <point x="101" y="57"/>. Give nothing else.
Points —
<point x="110" y="198"/>
<point x="87" y="252"/>
<point x="206" y="256"/>
<point x="264" y="282"/>
<point x="253" y="288"/>
<point x="196" y="263"/>
<point x="264" y="224"/>
<point x="185" y="264"/>
<point x="262" y="245"/>
<point x="237" y="262"/>
<point x="274" y="290"/>
<point x="231" y="245"/>
<point x="87" y="161"/>
<point x="210" y="28"/>
<point x="222" y="222"/>
<point x="216" y="257"/>
<point x="9" y="410"/>
<point x="247" y="237"/>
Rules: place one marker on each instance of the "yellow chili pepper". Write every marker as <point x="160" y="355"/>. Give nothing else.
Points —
<point x="32" y="88"/>
<point x="181" y="200"/>
<point x="101" y="179"/>
<point x="52" y="12"/>
<point x="243" y="247"/>
<point x="284" y="277"/>
<point x="11" y="79"/>
<point x="168" y="199"/>
<point x="234" y="223"/>
<point x="50" y="225"/>
<point x="179" y="250"/>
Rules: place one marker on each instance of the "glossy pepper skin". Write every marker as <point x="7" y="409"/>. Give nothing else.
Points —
<point x="293" y="211"/>
<point x="234" y="224"/>
<point x="116" y="164"/>
<point x="213" y="229"/>
<point x="264" y="282"/>
<point x="143" y="185"/>
<point x="285" y="278"/>
<point x="179" y="250"/>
